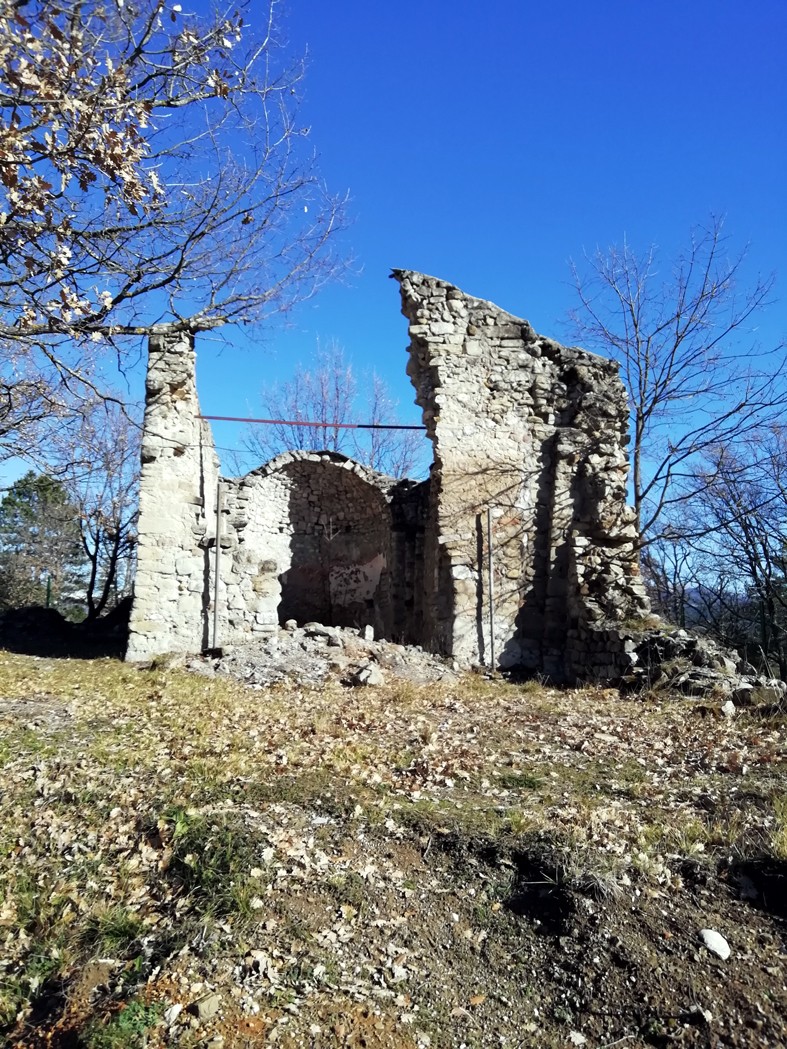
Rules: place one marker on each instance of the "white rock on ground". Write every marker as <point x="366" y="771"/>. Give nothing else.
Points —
<point x="205" y="1008"/>
<point x="715" y="943"/>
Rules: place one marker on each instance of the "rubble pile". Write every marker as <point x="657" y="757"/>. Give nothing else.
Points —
<point x="311" y="654"/>
<point x="697" y="666"/>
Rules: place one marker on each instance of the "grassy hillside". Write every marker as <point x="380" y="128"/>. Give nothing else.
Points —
<point x="185" y="861"/>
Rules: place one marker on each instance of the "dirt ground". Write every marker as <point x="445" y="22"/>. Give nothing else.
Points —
<point x="190" y="861"/>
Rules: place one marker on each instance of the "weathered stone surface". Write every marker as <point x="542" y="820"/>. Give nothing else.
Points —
<point x="526" y="433"/>
<point x="179" y="475"/>
<point x="370" y="674"/>
<point x="768" y="690"/>
<point x="309" y="661"/>
<point x="534" y="432"/>
<point x="207" y="1007"/>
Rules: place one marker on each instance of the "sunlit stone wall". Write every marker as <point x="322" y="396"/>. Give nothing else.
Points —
<point x="535" y="432"/>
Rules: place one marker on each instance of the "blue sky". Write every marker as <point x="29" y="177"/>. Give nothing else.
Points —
<point x="488" y="145"/>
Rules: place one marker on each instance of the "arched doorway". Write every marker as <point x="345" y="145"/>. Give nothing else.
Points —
<point x="340" y="545"/>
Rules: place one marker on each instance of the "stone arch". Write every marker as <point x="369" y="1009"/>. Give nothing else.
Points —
<point x="340" y="544"/>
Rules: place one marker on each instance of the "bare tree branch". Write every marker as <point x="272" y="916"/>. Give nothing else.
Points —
<point x="329" y="393"/>
<point x="695" y="375"/>
<point x="725" y="563"/>
<point x="152" y="171"/>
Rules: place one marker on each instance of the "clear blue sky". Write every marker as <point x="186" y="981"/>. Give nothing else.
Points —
<point x="489" y="144"/>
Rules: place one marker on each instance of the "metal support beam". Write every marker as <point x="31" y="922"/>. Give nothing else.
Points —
<point x="491" y="587"/>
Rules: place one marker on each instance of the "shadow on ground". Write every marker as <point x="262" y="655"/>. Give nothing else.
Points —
<point x="38" y="631"/>
<point x="762" y="883"/>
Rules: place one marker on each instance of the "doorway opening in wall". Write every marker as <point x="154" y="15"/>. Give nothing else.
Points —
<point x="340" y="547"/>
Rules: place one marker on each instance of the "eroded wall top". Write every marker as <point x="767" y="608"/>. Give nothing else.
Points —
<point x="536" y="432"/>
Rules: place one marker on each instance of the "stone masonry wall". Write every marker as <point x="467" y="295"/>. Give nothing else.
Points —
<point x="531" y="429"/>
<point x="309" y="536"/>
<point x="176" y="507"/>
<point x="536" y="431"/>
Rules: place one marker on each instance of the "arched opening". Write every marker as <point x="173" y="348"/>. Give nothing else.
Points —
<point x="340" y="547"/>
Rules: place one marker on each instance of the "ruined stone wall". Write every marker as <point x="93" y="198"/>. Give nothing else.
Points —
<point x="176" y="507"/>
<point x="536" y="431"/>
<point x="520" y="424"/>
<point x="409" y="512"/>
<point x="312" y="538"/>
<point x="308" y="536"/>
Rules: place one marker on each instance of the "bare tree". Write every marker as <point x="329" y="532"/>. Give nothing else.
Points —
<point x="735" y="538"/>
<point x="668" y="572"/>
<point x="328" y="393"/>
<point x="152" y="171"/>
<point x="96" y="458"/>
<point x="324" y="393"/>
<point x="696" y="379"/>
<point x="398" y="453"/>
<point x="725" y="567"/>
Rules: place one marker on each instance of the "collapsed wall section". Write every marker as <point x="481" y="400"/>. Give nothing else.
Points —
<point x="536" y="432"/>
<point x="308" y="536"/>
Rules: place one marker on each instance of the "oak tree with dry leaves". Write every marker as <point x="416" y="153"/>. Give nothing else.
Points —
<point x="153" y="171"/>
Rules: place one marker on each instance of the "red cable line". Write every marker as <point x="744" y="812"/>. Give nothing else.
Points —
<point x="303" y="422"/>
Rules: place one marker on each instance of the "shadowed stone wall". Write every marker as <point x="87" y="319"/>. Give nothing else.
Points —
<point x="314" y="536"/>
<point x="537" y="432"/>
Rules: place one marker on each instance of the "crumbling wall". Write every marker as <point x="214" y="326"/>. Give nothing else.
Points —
<point x="312" y="538"/>
<point x="409" y="521"/>
<point x="178" y="481"/>
<point x="309" y="536"/>
<point x="537" y="432"/>
<point x="532" y="430"/>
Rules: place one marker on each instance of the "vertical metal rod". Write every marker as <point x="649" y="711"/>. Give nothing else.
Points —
<point x="490" y="546"/>
<point x="217" y="568"/>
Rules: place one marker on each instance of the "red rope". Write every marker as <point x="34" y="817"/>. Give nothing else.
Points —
<point x="303" y="422"/>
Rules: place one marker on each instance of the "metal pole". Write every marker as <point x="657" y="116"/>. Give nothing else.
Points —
<point x="491" y="588"/>
<point x="219" y="508"/>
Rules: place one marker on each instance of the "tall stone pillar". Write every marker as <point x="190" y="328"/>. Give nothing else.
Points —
<point x="177" y="507"/>
<point x="536" y="433"/>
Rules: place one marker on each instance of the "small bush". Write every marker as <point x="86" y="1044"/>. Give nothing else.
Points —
<point x="212" y="856"/>
<point x="124" y="1029"/>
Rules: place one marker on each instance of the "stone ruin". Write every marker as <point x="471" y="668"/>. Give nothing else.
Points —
<point x="528" y="435"/>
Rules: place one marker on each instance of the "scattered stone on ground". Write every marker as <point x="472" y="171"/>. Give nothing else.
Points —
<point x="698" y="666"/>
<point x="461" y="863"/>
<point x="312" y="654"/>
<point x="206" y="1007"/>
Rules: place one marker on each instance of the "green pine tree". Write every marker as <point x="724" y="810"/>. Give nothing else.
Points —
<point x="41" y="553"/>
